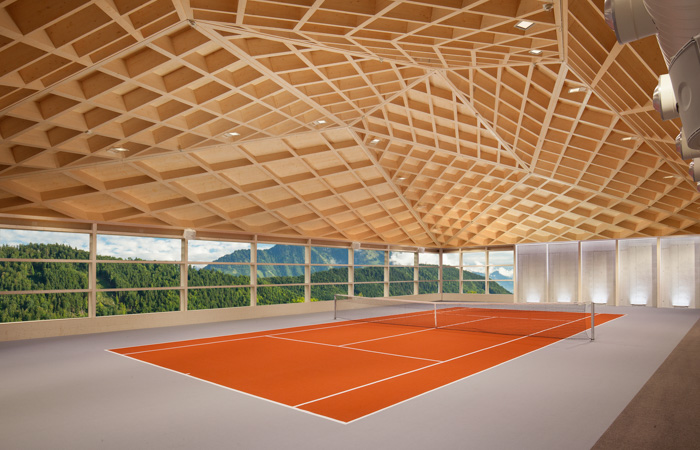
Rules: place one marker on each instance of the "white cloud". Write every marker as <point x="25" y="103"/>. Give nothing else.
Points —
<point x="210" y="250"/>
<point x="401" y="258"/>
<point x="20" y="237"/>
<point x="150" y="249"/>
<point x="506" y="272"/>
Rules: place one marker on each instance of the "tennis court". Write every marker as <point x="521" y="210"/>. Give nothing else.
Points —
<point x="382" y="353"/>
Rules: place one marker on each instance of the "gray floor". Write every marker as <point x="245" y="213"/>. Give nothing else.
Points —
<point x="69" y="393"/>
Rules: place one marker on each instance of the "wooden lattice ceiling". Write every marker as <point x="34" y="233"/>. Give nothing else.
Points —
<point x="425" y="123"/>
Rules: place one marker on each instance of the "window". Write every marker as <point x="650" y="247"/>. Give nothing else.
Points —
<point x="282" y="266"/>
<point x="501" y="272"/>
<point x="228" y="267"/>
<point x="474" y="272"/>
<point x="131" y="262"/>
<point x="329" y="272"/>
<point x="369" y="273"/>
<point x="33" y="262"/>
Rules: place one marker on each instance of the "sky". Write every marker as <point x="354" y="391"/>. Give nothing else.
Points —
<point x="150" y="249"/>
<point x="164" y="249"/>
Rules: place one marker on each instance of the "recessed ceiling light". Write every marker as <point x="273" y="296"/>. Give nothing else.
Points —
<point x="231" y="134"/>
<point x="319" y="122"/>
<point x="628" y="138"/>
<point x="524" y="24"/>
<point x="401" y="178"/>
<point x="118" y="150"/>
<point x="374" y="141"/>
<point x="535" y="52"/>
<point x="577" y="89"/>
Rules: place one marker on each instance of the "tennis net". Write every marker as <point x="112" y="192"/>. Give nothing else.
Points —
<point x="549" y="320"/>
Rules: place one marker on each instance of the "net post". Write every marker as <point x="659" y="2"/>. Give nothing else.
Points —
<point x="335" y="306"/>
<point x="435" y="315"/>
<point x="593" y="321"/>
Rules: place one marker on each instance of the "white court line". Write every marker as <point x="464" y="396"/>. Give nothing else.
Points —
<point x="356" y="349"/>
<point x="230" y="388"/>
<point x="344" y="324"/>
<point x="431" y="365"/>
<point x="387" y="337"/>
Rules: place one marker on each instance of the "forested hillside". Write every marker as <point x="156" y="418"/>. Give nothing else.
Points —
<point x="26" y="276"/>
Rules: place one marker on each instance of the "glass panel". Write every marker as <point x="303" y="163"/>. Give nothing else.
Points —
<point x="501" y="287"/>
<point x="532" y="273"/>
<point x="278" y="253"/>
<point x="369" y="289"/>
<point x="133" y="247"/>
<point x="450" y="273"/>
<point x="400" y="289"/>
<point x="428" y="287"/>
<point x="474" y="258"/>
<point x="369" y="257"/>
<point x="429" y="273"/>
<point x="38" y="276"/>
<point x="369" y="274"/>
<point x="218" y="275"/>
<point x="473" y="287"/>
<point x="328" y="274"/>
<point x="24" y="307"/>
<point x="218" y="251"/>
<point x="450" y="259"/>
<point x="272" y="295"/>
<point x="329" y="255"/>
<point x="429" y="259"/>
<point x="137" y="275"/>
<point x="27" y="244"/>
<point x="400" y="273"/>
<point x="563" y="272"/>
<point x="216" y="298"/>
<point x="327" y="292"/>
<point x="450" y="287"/>
<point x="280" y="274"/>
<point x="680" y="271"/>
<point x="598" y="271"/>
<point x="637" y="272"/>
<point x="137" y="302"/>
<point x="401" y="258"/>
<point x="501" y="258"/>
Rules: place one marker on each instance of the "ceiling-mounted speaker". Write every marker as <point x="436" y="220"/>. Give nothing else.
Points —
<point x="421" y="249"/>
<point x="683" y="149"/>
<point x="694" y="169"/>
<point x="664" y="99"/>
<point x="189" y="234"/>
<point x="629" y="19"/>
<point x="684" y="69"/>
<point x="355" y="245"/>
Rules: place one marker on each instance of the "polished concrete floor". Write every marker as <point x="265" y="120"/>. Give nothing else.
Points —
<point x="69" y="393"/>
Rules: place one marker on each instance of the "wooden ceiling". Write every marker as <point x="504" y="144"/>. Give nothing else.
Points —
<point x="425" y="123"/>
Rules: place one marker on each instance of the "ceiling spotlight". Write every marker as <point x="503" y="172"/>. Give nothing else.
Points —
<point x="374" y="141"/>
<point x="118" y="150"/>
<point x="578" y="89"/>
<point x="535" y="52"/>
<point x="319" y="122"/>
<point x="629" y="138"/>
<point x="548" y="6"/>
<point x="231" y="134"/>
<point x="524" y="25"/>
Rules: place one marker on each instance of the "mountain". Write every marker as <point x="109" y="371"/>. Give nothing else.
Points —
<point x="291" y="254"/>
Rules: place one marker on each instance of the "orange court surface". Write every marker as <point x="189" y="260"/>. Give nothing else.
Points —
<point x="346" y="370"/>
